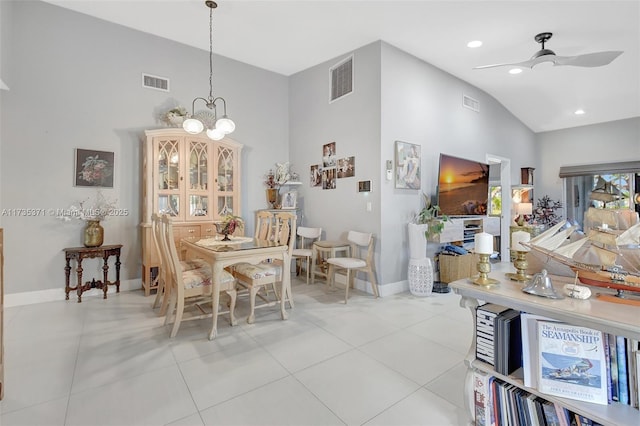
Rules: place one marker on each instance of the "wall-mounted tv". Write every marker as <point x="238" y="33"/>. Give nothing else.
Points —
<point x="463" y="186"/>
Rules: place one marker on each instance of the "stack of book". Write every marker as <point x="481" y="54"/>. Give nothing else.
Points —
<point x="498" y="337"/>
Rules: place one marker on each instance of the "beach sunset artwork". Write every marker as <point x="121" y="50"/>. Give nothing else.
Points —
<point x="463" y="186"/>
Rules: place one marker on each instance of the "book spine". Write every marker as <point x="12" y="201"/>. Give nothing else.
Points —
<point x="623" y="384"/>
<point x="607" y="357"/>
<point x="613" y="360"/>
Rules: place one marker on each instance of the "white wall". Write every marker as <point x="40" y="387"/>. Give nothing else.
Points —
<point x="76" y="83"/>
<point x="597" y="143"/>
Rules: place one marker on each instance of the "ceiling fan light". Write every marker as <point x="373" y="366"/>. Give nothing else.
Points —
<point x="515" y="71"/>
<point x="579" y="112"/>
<point x="193" y="126"/>
<point x="226" y="125"/>
<point x="473" y="44"/>
<point x="215" y="134"/>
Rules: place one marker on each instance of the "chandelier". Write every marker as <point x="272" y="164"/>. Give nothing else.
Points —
<point x="217" y="128"/>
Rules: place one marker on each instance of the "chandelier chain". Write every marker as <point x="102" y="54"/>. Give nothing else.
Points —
<point x="210" y="54"/>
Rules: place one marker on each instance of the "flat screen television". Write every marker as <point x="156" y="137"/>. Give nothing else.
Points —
<point x="463" y="186"/>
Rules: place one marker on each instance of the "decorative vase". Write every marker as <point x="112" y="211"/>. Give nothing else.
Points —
<point x="93" y="234"/>
<point x="272" y="197"/>
<point x="420" y="276"/>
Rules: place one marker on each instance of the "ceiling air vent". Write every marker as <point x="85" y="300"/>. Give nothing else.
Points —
<point x="469" y="102"/>
<point x="341" y="79"/>
<point x="154" y="82"/>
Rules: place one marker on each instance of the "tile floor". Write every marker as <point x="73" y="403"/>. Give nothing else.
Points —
<point x="391" y="361"/>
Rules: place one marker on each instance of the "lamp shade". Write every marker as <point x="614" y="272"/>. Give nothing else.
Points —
<point x="226" y="125"/>
<point x="215" y="134"/>
<point x="525" y="208"/>
<point x="193" y="126"/>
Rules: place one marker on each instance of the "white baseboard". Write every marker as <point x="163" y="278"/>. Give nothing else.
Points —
<point x="384" y="290"/>
<point x="55" y="294"/>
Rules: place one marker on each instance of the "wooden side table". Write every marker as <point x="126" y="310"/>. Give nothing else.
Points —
<point x="80" y="253"/>
<point x="325" y="249"/>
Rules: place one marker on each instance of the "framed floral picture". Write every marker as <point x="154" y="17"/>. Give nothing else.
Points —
<point x="94" y="168"/>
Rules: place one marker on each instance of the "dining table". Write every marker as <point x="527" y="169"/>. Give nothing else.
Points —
<point x="221" y="254"/>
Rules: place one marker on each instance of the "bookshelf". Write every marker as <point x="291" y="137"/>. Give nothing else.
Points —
<point x="593" y="313"/>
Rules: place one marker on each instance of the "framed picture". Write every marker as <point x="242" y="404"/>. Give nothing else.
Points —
<point x="94" y="168"/>
<point x="315" y="177"/>
<point x="329" y="155"/>
<point x="407" y="165"/>
<point x="289" y="200"/>
<point x="346" y="167"/>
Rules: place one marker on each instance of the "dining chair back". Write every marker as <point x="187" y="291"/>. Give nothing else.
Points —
<point x="192" y="286"/>
<point x="163" y="265"/>
<point x="304" y="247"/>
<point x="264" y="225"/>
<point x="360" y="259"/>
<point x="255" y="277"/>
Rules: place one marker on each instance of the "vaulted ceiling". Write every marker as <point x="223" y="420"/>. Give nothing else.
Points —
<point x="289" y="36"/>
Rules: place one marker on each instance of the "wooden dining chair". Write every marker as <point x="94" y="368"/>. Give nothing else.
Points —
<point x="360" y="259"/>
<point x="304" y="247"/>
<point x="192" y="287"/>
<point x="255" y="277"/>
<point x="264" y="225"/>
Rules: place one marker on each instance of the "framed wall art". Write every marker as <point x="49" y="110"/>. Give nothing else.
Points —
<point x="289" y="200"/>
<point x="407" y="165"/>
<point x="94" y="168"/>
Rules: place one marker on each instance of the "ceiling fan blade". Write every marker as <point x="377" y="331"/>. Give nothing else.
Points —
<point x="591" y="60"/>
<point x="530" y="63"/>
<point x="515" y="64"/>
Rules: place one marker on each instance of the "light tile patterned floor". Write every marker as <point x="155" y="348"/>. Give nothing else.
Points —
<point x="390" y="361"/>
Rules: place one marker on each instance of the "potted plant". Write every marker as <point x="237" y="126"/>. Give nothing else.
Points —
<point x="425" y="226"/>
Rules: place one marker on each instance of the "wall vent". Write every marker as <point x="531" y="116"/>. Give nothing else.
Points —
<point x="155" y="82"/>
<point x="469" y="102"/>
<point x="341" y="76"/>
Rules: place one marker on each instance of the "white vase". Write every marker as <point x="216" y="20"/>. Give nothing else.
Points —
<point x="417" y="241"/>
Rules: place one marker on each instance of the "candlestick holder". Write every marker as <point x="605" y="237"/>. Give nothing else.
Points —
<point x="484" y="267"/>
<point x="521" y="265"/>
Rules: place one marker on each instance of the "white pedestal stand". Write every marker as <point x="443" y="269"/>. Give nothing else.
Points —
<point x="420" y="274"/>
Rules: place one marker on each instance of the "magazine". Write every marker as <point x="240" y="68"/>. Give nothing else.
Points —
<point x="572" y="362"/>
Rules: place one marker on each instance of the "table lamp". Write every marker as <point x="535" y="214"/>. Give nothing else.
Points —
<point x="484" y="248"/>
<point x="523" y="210"/>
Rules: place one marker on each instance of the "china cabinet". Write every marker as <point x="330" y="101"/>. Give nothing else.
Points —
<point x="193" y="179"/>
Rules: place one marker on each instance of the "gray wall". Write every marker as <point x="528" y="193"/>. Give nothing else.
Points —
<point x="396" y="97"/>
<point x="597" y="143"/>
<point x="76" y="83"/>
<point x="422" y="104"/>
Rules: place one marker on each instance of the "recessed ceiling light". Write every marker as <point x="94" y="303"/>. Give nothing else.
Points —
<point x="515" y="70"/>
<point x="474" y="43"/>
<point x="579" y="112"/>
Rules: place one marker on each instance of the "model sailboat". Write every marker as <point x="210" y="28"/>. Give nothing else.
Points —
<point x="603" y="258"/>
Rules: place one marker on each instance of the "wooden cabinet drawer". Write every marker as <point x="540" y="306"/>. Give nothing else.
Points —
<point x="207" y="230"/>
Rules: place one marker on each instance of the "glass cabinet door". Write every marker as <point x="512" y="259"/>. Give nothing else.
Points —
<point x="225" y="180"/>
<point x="168" y="172"/>
<point x="198" y="185"/>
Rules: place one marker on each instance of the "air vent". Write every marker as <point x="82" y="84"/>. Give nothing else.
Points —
<point x="341" y="79"/>
<point x="469" y="102"/>
<point x="154" y="82"/>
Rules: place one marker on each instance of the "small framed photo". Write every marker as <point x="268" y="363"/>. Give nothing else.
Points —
<point x="407" y="165"/>
<point x="329" y="155"/>
<point x="289" y="200"/>
<point x="94" y="168"/>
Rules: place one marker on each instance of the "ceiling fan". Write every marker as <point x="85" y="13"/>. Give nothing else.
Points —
<point x="596" y="59"/>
